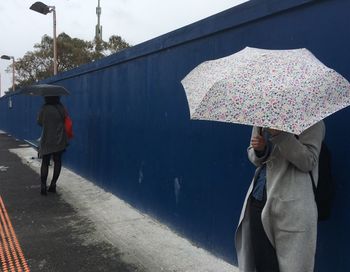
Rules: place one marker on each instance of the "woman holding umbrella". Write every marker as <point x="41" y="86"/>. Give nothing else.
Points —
<point x="53" y="140"/>
<point x="278" y="224"/>
<point x="292" y="91"/>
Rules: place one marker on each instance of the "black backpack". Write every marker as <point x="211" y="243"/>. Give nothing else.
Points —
<point x="325" y="190"/>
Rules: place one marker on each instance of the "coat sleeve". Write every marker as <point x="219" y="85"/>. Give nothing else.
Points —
<point x="256" y="158"/>
<point x="303" y="152"/>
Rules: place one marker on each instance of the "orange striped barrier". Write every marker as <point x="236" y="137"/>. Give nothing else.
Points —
<point x="11" y="255"/>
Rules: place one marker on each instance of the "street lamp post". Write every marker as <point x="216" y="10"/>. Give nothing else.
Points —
<point x="13" y="69"/>
<point x="44" y="9"/>
<point x="13" y="75"/>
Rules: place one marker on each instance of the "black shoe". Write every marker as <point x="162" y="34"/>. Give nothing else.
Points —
<point x="52" y="189"/>
<point x="43" y="191"/>
<point x="43" y="188"/>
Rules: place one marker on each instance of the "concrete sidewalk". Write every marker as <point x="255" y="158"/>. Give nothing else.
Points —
<point x="84" y="228"/>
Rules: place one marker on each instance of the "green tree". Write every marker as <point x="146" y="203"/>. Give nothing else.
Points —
<point x="71" y="52"/>
<point x="115" y="44"/>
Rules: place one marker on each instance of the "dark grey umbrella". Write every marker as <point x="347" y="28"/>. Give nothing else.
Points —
<point x="44" y="90"/>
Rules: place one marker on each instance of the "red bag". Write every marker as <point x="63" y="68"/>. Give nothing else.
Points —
<point x="68" y="125"/>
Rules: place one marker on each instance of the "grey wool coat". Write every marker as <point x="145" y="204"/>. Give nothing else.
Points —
<point x="289" y="217"/>
<point x="53" y="136"/>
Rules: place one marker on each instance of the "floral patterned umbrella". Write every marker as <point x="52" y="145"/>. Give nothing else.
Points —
<point x="288" y="90"/>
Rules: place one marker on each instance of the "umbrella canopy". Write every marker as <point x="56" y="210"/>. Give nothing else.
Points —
<point x="288" y="90"/>
<point x="44" y="90"/>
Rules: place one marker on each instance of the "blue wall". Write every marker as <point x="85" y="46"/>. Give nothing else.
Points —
<point x="133" y="135"/>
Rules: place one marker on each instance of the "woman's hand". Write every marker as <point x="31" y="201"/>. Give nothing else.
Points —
<point x="258" y="143"/>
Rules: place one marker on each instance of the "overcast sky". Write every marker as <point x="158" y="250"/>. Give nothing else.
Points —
<point x="134" y="20"/>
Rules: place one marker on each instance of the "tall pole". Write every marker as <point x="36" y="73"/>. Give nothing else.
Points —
<point x="6" y="57"/>
<point x="13" y="74"/>
<point x="98" y="12"/>
<point x="98" y="30"/>
<point x="54" y="42"/>
<point x="44" y="9"/>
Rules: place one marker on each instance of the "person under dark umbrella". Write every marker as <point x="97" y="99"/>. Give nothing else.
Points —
<point x="53" y="140"/>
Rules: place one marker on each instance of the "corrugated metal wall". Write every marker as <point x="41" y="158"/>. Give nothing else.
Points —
<point x="133" y="135"/>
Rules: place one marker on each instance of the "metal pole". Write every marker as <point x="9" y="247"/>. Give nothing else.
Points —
<point x="54" y="42"/>
<point x="13" y="74"/>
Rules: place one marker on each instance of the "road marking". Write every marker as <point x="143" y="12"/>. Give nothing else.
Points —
<point x="11" y="255"/>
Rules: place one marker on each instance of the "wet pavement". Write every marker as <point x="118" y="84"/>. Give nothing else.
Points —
<point x="51" y="235"/>
<point x="82" y="227"/>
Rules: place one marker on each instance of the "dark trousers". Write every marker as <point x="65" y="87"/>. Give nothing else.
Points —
<point x="57" y="159"/>
<point x="264" y="253"/>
